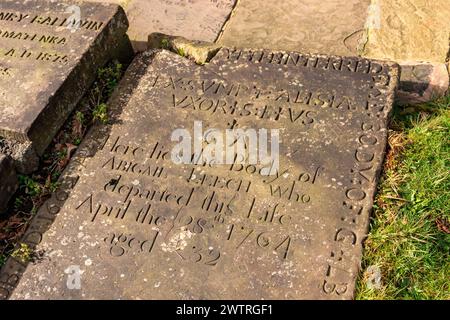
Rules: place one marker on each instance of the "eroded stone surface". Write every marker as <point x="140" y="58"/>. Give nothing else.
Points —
<point x="25" y="158"/>
<point x="45" y="67"/>
<point x="133" y="224"/>
<point x="414" y="30"/>
<point x="8" y="181"/>
<point x="329" y="27"/>
<point x="193" y="19"/>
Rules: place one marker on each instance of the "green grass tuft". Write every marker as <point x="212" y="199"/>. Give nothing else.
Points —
<point x="409" y="238"/>
<point x="181" y="52"/>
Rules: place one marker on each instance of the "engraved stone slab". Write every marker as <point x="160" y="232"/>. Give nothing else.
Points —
<point x="333" y="26"/>
<point x="130" y="223"/>
<point x="46" y="62"/>
<point x="8" y="181"/>
<point x="193" y="19"/>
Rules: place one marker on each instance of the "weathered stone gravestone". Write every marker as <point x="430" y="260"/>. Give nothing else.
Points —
<point x="131" y="223"/>
<point x="194" y="19"/>
<point x="49" y="55"/>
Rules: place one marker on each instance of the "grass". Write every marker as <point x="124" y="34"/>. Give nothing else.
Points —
<point x="181" y="52"/>
<point x="409" y="239"/>
<point x="35" y="188"/>
<point x="165" y="44"/>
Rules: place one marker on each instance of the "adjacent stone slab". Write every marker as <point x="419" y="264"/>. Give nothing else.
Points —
<point x="46" y="64"/>
<point x="132" y="224"/>
<point x="8" y="181"/>
<point x="194" y="19"/>
<point x="422" y="82"/>
<point x="331" y="27"/>
<point x="408" y="30"/>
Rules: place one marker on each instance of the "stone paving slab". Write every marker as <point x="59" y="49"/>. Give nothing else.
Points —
<point x="8" y="181"/>
<point x="45" y="67"/>
<point x="409" y="30"/>
<point x="328" y="27"/>
<point x="130" y="223"/>
<point x="193" y="19"/>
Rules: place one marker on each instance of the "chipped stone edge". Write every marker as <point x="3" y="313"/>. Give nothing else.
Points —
<point x="199" y="51"/>
<point x="438" y="84"/>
